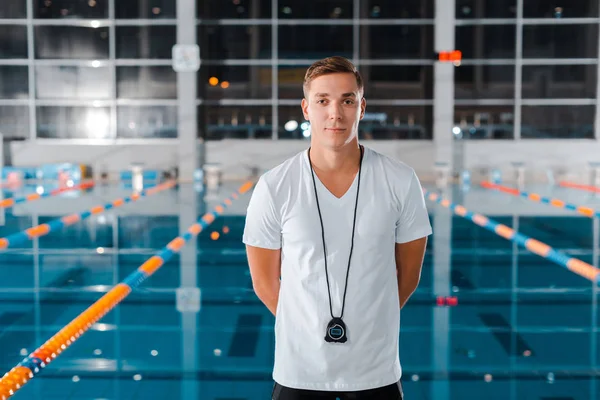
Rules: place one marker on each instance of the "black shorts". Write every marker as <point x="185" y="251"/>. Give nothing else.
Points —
<point x="390" y="392"/>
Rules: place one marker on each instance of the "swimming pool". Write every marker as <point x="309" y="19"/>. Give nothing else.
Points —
<point x="522" y="326"/>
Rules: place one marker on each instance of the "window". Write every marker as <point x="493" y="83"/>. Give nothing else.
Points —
<point x="326" y="9"/>
<point x="67" y="82"/>
<point x="14" y="121"/>
<point x="73" y="122"/>
<point x="470" y="9"/>
<point x="560" y="41"/>
<point x="557" y="122"/>
<point x="484" y="82"/>
<point x="70" y="8"/>
<point x="409" y="41"/>
<point x="144" y="9"/>
<point x="233" y="9"/>
<point x="146" y="41"/>
<point x="315" y="42"/>
<point x="562" y="9"/>
<point x="71" y="42"/>
<point x="147" y="122"/>
<point x="13" y="9"/>
<point x="559" y="81"/>
<point x="13" y="41"/>
<point x="483" y="122"/>
<point x="407" y="9"/>
<point x="221" y="42"/>
<point x="235" y="82"/>
<point x="236" y="122"/>
<point x="146" y="82"/>
<point x="486" y="41"/>
<point x="14" y="82"/>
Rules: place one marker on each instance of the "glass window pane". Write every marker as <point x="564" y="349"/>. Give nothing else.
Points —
<point x="218" y="9"/>
<point x="73" y="122"/>
<point x="483" y="122"/>
<point x="233" y="82"/>
<point x="70" y="8"/>
<point x="14" y="121"/>
<point x="222" y="42"/>
<point x="469" y="9"/>
<point x="292" y="124"/>
<point x="560" y="41"/>
<point x="62" y="42"/>
<point x="235" y="122"/>
<point x="484" y="82"/>
<point x="396" y="122"/>
<point x="13" y="9"/>
<point x="328" y="9"/>
<point x="14" y="82"/>
<point x="315" y="42"/>
<point x="563" y="9"/>
<point x="147" y="122"/>
<point x="486" y="41"/>
<point x="146" y="83"/>
<point x="13" y="41"/>
<point x="559" y="81"/>
<point x="68" y="82"/>
<point x="145" y="41"/>
<point x="409" y="41"/>
<point x="290" y="79"/>
<point x="398" y="81"/>
<point x="144" y="9"/>
<point x="557" y="122"/>
<point x="406" y="9"/>
<point x="381" y="82"/>
<point x="379" y="123"/>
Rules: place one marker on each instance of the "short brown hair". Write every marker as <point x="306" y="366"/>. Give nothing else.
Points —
<point x="331" y="65"/>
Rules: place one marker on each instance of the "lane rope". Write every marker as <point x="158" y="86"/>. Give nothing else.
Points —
<point x="574" y="265"/>
<point x="59" y="223"/>
<point x="33" y="364"/>
<point x="6" y="203"/>
<point x="587" y="211"/>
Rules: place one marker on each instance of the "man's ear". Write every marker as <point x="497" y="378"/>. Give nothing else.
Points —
<point x="304" y="106"/>
<point x="363" y="107"/>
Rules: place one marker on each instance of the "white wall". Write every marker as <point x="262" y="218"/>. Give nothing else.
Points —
<point x="236" y="157"/>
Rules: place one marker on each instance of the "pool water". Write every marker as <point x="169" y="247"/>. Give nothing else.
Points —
<point x="516" y="325"/>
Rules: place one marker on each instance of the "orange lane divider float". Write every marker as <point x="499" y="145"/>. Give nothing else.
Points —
<point x="587" y="188"/>
<point x="588" y="212"/>
<point x="44" y="355"/>
<point x="36" y="196"/>
<point x="574" y="265"/>
<point x="59" y="223"/>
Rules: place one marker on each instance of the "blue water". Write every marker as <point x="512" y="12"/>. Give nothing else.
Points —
<point x="523" y="328"/>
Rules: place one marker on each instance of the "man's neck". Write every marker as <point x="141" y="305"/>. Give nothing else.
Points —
<point x="345" y="160"/>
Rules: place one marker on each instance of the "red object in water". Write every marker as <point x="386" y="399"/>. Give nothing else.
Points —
<point x="440" y="301"/>
<point x="451" y="301"/>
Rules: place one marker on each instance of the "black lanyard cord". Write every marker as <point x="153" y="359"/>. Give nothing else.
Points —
<point x="323" y="232"/>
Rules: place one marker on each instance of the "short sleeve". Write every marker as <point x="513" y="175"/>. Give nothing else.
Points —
<point x="262" y="227"/>
<point x="413" y="220"/>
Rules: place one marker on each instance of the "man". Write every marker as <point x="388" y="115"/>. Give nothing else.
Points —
<point x="335" y="238"/>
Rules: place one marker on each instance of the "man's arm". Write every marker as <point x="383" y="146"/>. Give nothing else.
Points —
<point x="409" y="260"/>
<point x="265" y="270"/>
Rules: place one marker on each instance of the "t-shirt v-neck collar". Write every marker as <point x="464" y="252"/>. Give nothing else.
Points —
<point x="321" y="188"/>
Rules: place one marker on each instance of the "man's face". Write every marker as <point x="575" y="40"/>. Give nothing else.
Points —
<point x="333" y="106"/>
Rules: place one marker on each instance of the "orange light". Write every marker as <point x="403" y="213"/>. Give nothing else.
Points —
<point x="213" y="81"/>
<point x="214" y="235"/>
<point x="450" y="56"/>
<point x="225" y="229"/>
<point x="224" y="84"/>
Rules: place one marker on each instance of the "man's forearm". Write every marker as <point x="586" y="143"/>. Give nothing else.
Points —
<point x="406" y="287"/>
<point x="270" y="296"/>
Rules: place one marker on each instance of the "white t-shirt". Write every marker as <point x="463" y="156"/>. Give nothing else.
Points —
<point x="282" y="214"/>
